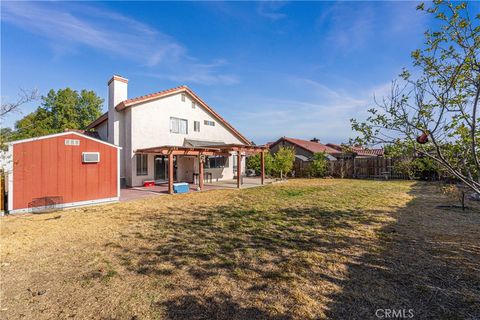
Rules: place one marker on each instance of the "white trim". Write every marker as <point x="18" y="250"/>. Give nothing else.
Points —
<point x="150" y="99"/>
<point x="10" y="178"/>
<point x="63" y="134"/>
<point x="72" y="204"/>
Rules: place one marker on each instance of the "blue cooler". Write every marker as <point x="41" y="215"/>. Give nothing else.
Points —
<point x="181" y="187"/>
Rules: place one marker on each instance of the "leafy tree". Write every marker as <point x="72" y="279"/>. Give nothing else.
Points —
<point x="409" y="162"/>
<point x="60" y="110"/>
<point x="319" y="165"/>
<point x="417" y="168"/>
<point x="283" y="160"/>
<point x="436" y="111"/>
<point x="254" y="163"/>
<point x="5" y="136"/>
<point x="34" y="124"/>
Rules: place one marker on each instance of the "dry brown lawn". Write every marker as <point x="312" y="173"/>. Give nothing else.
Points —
<point x="305" y="249"/>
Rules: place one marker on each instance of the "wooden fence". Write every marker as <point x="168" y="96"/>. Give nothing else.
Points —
<point x="366" y="168"/>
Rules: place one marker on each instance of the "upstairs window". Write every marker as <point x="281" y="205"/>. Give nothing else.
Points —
<point x="178" y="125"/>
<point x="193" y="105"/>
<point x="209" y="123"/>
<point x="183" y="97"/>
<point x="142" y="164"/>
<point x="196" y="126"/>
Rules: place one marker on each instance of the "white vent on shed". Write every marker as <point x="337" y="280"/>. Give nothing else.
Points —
<point x="72" y="142"/>
<point x="90" y="157"/>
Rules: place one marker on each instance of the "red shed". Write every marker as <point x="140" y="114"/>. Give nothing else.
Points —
<point x="66" y="169"/>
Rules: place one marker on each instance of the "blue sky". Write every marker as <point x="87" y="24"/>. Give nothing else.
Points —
<point x="271" y="68"/>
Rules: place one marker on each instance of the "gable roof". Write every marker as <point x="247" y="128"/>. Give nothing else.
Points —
<point x="149" y="97"/>
<point x="162" y="94"/>
<point x="98" y="121"/>
<point x="63" y="134"/>
<point x="182" y="89"/>
<point x="313" y="147"/>
<point x="93" y="134"/>
<point x="359" y="151"/>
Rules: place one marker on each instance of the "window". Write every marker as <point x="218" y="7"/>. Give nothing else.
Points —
<point x="142" y="164"/>
<point x="209" y="123"/>
<point x="216" y="162"/>
<point x="196" y="126"/>
<point x="178" y="125"/>
<point x="193" y="105"/>
<point x="183" y="97"/>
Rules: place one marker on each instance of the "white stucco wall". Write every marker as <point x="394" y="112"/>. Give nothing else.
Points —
<point x="102" y="130"/>
<point x="150" y="127"/>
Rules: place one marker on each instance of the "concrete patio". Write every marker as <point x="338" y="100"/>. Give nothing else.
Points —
<point x="248" y="182"/>
<point x="134" y="193"/>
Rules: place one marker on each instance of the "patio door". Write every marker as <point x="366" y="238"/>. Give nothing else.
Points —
<point x="160" y="170"/>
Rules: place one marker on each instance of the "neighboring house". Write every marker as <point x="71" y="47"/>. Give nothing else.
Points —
<point x="304" y="151"/>
<point x="152" y="128"/>
<point x="358" y="151"/>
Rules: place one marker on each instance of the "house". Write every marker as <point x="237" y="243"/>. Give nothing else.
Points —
<point x="304" y="151"/>
<point x="171" y="135"/>
<point x="61" y="170"/>
<point x="359" y="152"/>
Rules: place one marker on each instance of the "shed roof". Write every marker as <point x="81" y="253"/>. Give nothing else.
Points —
<point x="63" y="134"/>
<point x="202" y="143"/>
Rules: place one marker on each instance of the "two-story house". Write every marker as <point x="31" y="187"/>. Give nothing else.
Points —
<point x="171" y="135"/>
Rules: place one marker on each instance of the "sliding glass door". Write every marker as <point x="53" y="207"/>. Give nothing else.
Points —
<point x="161" y="168"/>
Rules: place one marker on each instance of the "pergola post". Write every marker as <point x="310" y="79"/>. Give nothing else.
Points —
<point x="262" y="164"/>
<point x="170" y="173"/>
<point x="200" y="172"/>
<point x="239" y="169"/>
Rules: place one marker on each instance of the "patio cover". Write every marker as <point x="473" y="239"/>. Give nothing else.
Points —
<point x="201" y="143"/>
<point x="223" y="149"/>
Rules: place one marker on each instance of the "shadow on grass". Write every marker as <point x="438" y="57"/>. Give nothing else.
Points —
<point x="226" y="238"/>
<point x="218" y="307"/>
<point x="271" y="255"/>
<point x="421" y="267"/>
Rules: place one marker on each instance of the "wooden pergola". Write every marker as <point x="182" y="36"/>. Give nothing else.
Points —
<point x="201" y="152"/>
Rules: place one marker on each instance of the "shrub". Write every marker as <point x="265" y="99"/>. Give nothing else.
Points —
<point x="254" y="163"/>
<point x="319" y="166"/>
<point x="417" y="168"/>
<point x="283" y="161"/>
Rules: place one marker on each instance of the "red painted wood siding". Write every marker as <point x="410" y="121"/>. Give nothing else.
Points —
<point x="48" y="167"/>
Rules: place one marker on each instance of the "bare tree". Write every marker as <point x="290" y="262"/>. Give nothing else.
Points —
<point x="436" y="111"/>
<point x="24" y="97"/>
<point x="7" y="108"/>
